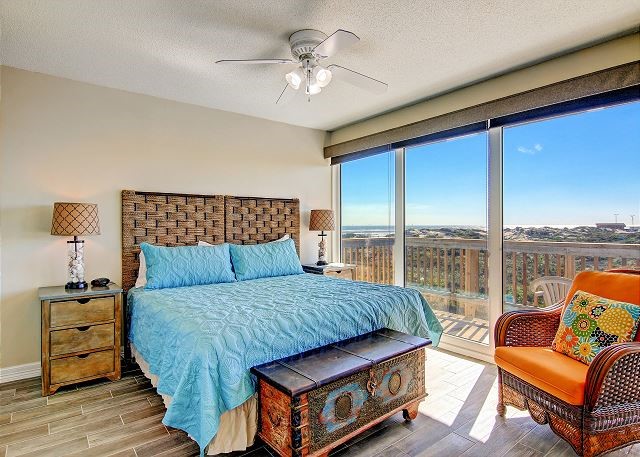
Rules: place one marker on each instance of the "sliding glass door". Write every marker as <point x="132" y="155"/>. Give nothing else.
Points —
<point x="446" y="232"/>
<point x="571" y="200"/>
<point x="368" y="217"/>
<point x="491" y="216"/>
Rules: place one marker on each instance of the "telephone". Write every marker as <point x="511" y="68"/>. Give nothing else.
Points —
<point x="100" y="282"/>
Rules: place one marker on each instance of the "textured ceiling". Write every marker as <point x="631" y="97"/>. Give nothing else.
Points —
<point x="421" y="48"/>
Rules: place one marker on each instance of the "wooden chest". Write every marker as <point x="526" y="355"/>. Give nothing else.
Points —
<point x="312" y="402"/>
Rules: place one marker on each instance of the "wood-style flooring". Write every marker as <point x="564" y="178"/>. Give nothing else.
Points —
<point x="123" y="418"/>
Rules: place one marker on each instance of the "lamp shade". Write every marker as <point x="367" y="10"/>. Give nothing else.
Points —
<point x="322" y="219"/>
<point x="75" y="219"/>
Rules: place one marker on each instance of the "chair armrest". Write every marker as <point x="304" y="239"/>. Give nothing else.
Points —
<point x="528" y="328"/>
<point x="613" y="379"/>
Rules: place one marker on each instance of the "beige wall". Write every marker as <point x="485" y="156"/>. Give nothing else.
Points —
<point x="606" y="55"/>
<point x="64" y="140"/>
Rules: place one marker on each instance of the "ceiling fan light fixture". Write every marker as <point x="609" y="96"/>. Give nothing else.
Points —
<point x="294" y="78"/>
<point x="309" y="48"/>
<point x="314" y="89"/>
<point x="323" y="76"/>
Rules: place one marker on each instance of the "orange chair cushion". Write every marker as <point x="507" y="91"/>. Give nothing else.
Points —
<point x="624" y="287"/>
<point x="551" y="371"/>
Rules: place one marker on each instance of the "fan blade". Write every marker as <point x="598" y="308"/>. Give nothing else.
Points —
<point x="287" y="94"/>
<point x="336" y="42"/>
<point x="358" y="79"/>
<point x="258" y="61"/>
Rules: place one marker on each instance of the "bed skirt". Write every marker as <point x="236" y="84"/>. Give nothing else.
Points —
<point x="238" y="427"/>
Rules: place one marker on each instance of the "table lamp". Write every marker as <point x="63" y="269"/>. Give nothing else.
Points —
<point x="322" y="219"/>
<point x="75" y="219"/>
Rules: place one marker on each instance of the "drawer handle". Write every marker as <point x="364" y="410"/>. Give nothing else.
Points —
<point x="339" y="271"/>
<point x="82" y="301"/>
<point x="83" y="329"/>
<point x="82" y="356"/>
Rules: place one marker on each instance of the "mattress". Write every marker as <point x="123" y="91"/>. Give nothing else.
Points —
<point x="201" y="341"/>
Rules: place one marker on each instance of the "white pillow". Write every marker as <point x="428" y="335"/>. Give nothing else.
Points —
<point x="142" y="271"/>
<point x="284" y="237"/>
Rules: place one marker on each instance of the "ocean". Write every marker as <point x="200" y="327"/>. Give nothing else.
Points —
<point x="391" y="229"/>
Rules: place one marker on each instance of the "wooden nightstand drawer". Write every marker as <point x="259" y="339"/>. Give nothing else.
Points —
<point x="82" y="366"/>
<point x="81" y="339"/>
<point x="81" y="330"/>
<point x="82" y="311"/>
<point x="344" y="274"/>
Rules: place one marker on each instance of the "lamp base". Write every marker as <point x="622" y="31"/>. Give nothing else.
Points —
<point x="76" y="285"/>
<point x="321" y="250"/>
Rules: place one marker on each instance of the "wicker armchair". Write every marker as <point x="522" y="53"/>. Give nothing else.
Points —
<point x="596" y="407"/>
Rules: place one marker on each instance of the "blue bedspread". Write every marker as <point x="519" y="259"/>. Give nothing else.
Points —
<point x="201" y="340"/>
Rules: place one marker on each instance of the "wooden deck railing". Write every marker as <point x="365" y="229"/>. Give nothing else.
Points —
<point x="457" y="267"/>
<point x="373" y="258"/>
<point x="533" y="259"/>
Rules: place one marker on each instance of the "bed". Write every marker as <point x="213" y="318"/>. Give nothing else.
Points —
<point x="197" y="343"/>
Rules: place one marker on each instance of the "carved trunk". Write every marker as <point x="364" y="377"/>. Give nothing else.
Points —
<point x="312" y="402"/>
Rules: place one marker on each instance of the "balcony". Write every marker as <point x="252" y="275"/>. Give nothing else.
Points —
<point x="451" y="273"/>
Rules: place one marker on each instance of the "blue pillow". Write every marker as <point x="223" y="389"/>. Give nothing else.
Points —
<point x="186" y="265"/>
<point x="253" y="261"/>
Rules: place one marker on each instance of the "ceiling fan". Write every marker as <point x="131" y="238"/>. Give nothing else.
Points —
<point x="309" y="48"/>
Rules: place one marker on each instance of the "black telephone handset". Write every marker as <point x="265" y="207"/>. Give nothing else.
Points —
<point x="100" y="282"/>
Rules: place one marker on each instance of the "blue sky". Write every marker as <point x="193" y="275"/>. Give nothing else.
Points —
<point x="572" y="170"/>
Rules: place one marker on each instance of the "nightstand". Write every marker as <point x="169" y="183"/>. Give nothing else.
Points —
<point x="338" y="270"/>
<point x="80" y="335"/>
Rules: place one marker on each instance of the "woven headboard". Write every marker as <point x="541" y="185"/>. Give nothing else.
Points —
<point x="166" y="219"/>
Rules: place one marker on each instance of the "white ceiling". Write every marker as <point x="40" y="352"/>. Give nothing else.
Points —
<point x="421" y="48"/>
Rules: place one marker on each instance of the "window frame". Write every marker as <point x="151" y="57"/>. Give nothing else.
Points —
<point x="495" y="204"/>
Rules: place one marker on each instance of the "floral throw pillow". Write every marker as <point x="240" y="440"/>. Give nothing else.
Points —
<point x="590" y="323"/>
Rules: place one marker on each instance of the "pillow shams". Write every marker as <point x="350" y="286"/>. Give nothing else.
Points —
<point x="182" y="266"/>
<point x="265" y="260"/>
<point x="141" y="280"/>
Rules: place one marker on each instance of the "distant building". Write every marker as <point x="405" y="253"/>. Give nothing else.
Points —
<point x="610" y="225"/>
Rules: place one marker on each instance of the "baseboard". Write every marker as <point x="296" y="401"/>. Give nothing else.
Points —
<point x="17" y="372"/>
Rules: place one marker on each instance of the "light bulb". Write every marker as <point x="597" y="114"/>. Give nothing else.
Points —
<point x="314" y="89"/>
<point x="323" y="76"/>
<point x="294" y="78"/>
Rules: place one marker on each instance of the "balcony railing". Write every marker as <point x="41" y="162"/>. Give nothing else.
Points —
<point x="373" y="258"/>
<point x="453" y="271"/>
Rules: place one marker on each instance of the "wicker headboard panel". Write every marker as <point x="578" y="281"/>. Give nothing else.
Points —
<point x="184" y="219"/>
<point x="253" y="220"/>
<point x="167" y="220"/>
